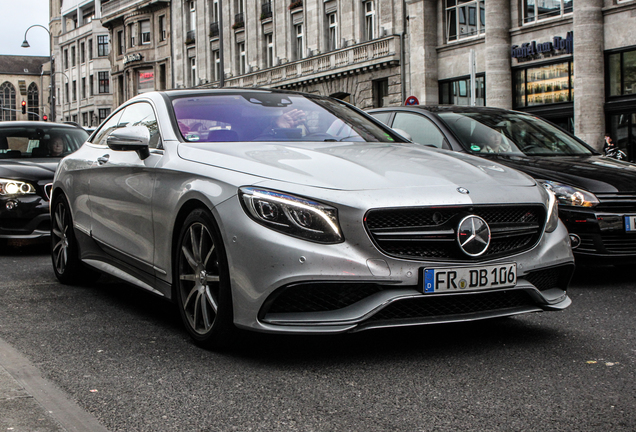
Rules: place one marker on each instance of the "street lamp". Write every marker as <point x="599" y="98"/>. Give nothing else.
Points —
<point x="25" y="44"/>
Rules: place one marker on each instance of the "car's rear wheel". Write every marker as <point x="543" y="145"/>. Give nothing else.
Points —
<point x="202" y="282"/>
<point x="64" y="250"/>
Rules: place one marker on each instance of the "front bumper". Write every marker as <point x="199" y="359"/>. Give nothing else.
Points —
<point x="269" y="269"/>
<point x="24" y="217"/>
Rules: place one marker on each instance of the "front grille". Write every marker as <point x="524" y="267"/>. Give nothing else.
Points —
<point x="318" y="297"/>
<point x="616" y="202"/>
<point x="430" y="232"/>
<point x="440" y="306"/>
<point x="554" y="277"/>
<point x="606" y="243"/>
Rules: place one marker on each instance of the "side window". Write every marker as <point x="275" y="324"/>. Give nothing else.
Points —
<point x="103" y="132"/>
<point x="142" y="114"/>
<point x="382" y="116"/>
<point x="421" y="129"/>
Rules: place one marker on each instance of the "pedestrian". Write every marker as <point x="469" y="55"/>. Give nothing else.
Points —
<point x="611" y="150"/>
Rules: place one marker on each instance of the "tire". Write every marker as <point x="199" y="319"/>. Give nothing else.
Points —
<point x="201" y="279"/>
<point x="67" y="265"/>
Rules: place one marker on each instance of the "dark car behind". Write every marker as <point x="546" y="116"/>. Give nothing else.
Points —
<point x="28" y="161"/>
<point x="597" y="195"/>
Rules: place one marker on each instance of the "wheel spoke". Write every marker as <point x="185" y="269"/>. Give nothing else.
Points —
<point x="189" y="258"/>
<point x="204" y="312"/>
<point x="212" y="278"/>
<point x="193" y="291"/>
<point x="195" y="315"/>
<point x="207" y="257"/>
<point x="188" y="277"/>
<point x="211" y="300"/>
<point x="196" y="253"/>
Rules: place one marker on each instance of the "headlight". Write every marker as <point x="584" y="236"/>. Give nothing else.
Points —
<point x="568" y="195"/>
<point x="292" y="215"/>
<point x="553" y="213"/>
<point x="15" y="187"/>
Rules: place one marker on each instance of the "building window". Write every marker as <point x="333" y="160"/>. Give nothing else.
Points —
<point x="217" y="65"/>
<point x="464" y="19"/>
<point x="300" y="44"/>
<point x="543" y="85"/>
<point x="621" y="72"/>
<point x="66" y="94"/>
<point x="457" y="91"/>
<point x="369" y="20"/>
<point x="33" y="102"/>
<point x="7" y="101"/>
<point x="242" y="65"/>
<point x="192" y="16"/>
<point x="104" y="82"/>
<point x="73" y="56"/>
<point x="92" y="118"/>
<point x="534" y="10"/>
<point x="90" y="86"/>
<point x="82" y="53"/>
<point x="74" y="90"/>
<point x="120" y="43"/>
<point x="193" y="72"/>
<point x="380" y="92"/>
<point x="269" y="50"/>
<point x="85" y="119"/>
<point x="131" y="35"/>
<point x="146" y="81"/>
<point x="145" y="32"/>
<point x="332" y="34"/>
<point x="90" y="49"/>
<point x="162" y="28"/>
<point x="83" y="87"/>
<point x="103" y="113"/>
<point x="66" y="59"/>
<point x="102" y="45"/>
<point x="74" y="119"/>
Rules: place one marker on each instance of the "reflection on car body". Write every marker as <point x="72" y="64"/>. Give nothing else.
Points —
<point x="29" y="154"/>
<point x="597" y="195"/>
<point x="248" y="213"/>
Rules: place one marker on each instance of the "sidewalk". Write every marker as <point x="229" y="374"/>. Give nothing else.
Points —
<point x="30" y="403"/>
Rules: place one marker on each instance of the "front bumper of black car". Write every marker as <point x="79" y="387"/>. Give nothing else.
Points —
<point x="24" y="217"/>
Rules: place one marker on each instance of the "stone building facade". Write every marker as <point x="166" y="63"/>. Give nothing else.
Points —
<point x="141" y="55"/>
<point x="83" y="93"/>
<point x="24" y="78"/>
<point x="570" y="61"/>
<point x="342" y="48"/>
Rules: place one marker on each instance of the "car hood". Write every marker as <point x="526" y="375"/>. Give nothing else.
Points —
<point x="596" y="174"/>
<point x="30" y="170"/>
<point x="353" y="166"/>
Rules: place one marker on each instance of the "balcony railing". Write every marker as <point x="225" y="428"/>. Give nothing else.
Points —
<point x="190" y="37"/>
<point x="266" y="9"/>
<point x="214" y="29"/>
<point x="239" y="21"/>
<point x="355" y="58"/>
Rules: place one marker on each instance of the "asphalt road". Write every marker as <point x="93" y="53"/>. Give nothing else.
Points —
<point x="122" y="355"/>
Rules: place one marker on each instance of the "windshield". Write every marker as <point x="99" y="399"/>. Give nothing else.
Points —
<point x="260" y="116"/>
<point x="39" y="141"/>
<point x="512" y="134"/>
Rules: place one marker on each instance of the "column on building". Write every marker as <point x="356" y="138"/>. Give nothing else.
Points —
<point x="498" y="72"/>
<point x="422" y="42"/>
<point x="589" y="82"/>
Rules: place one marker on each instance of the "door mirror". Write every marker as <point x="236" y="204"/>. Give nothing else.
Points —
<point x="133" y="138"/>
<point x="404" y="134"/>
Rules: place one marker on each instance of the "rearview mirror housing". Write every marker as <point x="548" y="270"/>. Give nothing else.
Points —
<point x="134" y="138"/>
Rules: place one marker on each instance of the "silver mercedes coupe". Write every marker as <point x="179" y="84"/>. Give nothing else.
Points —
<point x="293" y="213"/>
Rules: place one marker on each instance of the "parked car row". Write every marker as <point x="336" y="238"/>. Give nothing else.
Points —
<point x="284" y="212"/>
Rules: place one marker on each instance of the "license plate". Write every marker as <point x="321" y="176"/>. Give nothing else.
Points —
<point x="455" y="279"/>
<point x="630" y="223"/>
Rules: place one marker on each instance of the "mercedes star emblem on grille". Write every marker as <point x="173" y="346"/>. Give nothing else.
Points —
<point x="473" y="235"/>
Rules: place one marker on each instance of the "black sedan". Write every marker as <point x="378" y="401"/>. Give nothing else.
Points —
<point x="597" y="195"/>
<point x="29" y="155"/>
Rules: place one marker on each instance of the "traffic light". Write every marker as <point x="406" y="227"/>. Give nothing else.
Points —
<point x="45" y="117"/>
<point x="23" y="107"/>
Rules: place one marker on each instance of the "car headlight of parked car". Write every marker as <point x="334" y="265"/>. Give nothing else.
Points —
<point x="292" y="215"/>
<point x="568" y="195"/>
<point x="553" y="212"/>
<point x="15" y="187"/>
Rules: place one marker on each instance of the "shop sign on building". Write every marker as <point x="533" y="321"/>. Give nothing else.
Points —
<point x="132" y="58"/>
<point x="532" y="49"/>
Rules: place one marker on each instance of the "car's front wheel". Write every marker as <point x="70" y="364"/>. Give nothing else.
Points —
<point x="67" y="265"/>
<point x="202" y="281"/>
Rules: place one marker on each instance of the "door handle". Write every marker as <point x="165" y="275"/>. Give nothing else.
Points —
<point x="103" y="159"/>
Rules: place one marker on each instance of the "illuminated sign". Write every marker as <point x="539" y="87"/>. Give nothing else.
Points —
<point x="558" y="46"/>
